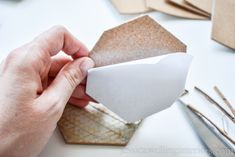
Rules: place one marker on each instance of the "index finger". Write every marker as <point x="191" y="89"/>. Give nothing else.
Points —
<point x="59" y="38"/>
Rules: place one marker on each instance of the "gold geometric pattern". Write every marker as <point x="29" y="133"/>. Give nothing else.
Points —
<point x="94" y="124"/>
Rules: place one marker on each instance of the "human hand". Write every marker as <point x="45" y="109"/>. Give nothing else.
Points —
<point x="35" y="86"/>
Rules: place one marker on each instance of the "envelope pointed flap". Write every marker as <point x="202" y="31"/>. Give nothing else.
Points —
<point x="136" y="39"/>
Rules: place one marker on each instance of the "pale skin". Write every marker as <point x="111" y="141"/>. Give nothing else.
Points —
<point x="36" y="84"/>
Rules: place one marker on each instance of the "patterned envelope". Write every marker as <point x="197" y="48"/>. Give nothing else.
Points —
<point x="94" y="124"/>
<point x="137" y="39"/>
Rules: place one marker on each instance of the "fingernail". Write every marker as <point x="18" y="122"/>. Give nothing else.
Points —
<point x="86" y="65"/>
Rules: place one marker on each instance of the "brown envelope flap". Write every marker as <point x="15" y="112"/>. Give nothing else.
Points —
<point x="136" y="39"/>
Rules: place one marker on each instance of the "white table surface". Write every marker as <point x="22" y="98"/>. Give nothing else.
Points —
<point x="167" y="133"/>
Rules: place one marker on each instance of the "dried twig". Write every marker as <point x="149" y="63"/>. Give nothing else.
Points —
<point x="224" y="99"/>
<point x="201" y="115"/>
<point x="209" y="98"/>
<point x="184" y="93"/>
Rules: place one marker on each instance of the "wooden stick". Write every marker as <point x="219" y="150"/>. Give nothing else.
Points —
<point x="201" y="115"/>
<point x="184" y="93"/>
<point x="224" y="99"/>
<point x="215" y="103"/>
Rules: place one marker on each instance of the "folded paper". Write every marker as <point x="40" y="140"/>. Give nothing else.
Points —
<point x="185" y="5"/>
<point x="137" y="89"/>
<point x="167" y="7"/>
<point x="204" y="5"/>
<point x="223" y="22"/>
<point x="130" y="6"/>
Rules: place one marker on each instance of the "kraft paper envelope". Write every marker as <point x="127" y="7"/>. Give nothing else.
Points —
<point x="137" y="89"/>
<point x="137" y="39"/>
<point x="131" y="6"/>
<point x="205" y="5"/>
<point x="185" y="5"/>
<point x="167" y="7"/>
<point x="223" y="22"/>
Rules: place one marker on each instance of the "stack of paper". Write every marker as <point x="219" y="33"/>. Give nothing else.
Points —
<point x="193" y="9"/>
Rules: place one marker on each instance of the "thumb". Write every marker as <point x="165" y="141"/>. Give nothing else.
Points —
<point x="72" y="74"/>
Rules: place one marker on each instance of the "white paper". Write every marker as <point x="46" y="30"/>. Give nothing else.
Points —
<point x="137" y="89"/>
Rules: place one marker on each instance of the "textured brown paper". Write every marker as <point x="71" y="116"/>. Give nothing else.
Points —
<point x="137" y="39"/>
<point x="140" y="38"/>
<point x="130" y="6"/>
<point x="94" y="124"/>
<point x="185" y="5"/>
<point x="223" y="27"/>
<point x="205" y="5"/>
<point x="167" y="7"/>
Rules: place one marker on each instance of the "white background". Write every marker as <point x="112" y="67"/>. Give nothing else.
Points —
<point x="167" y="133"/>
